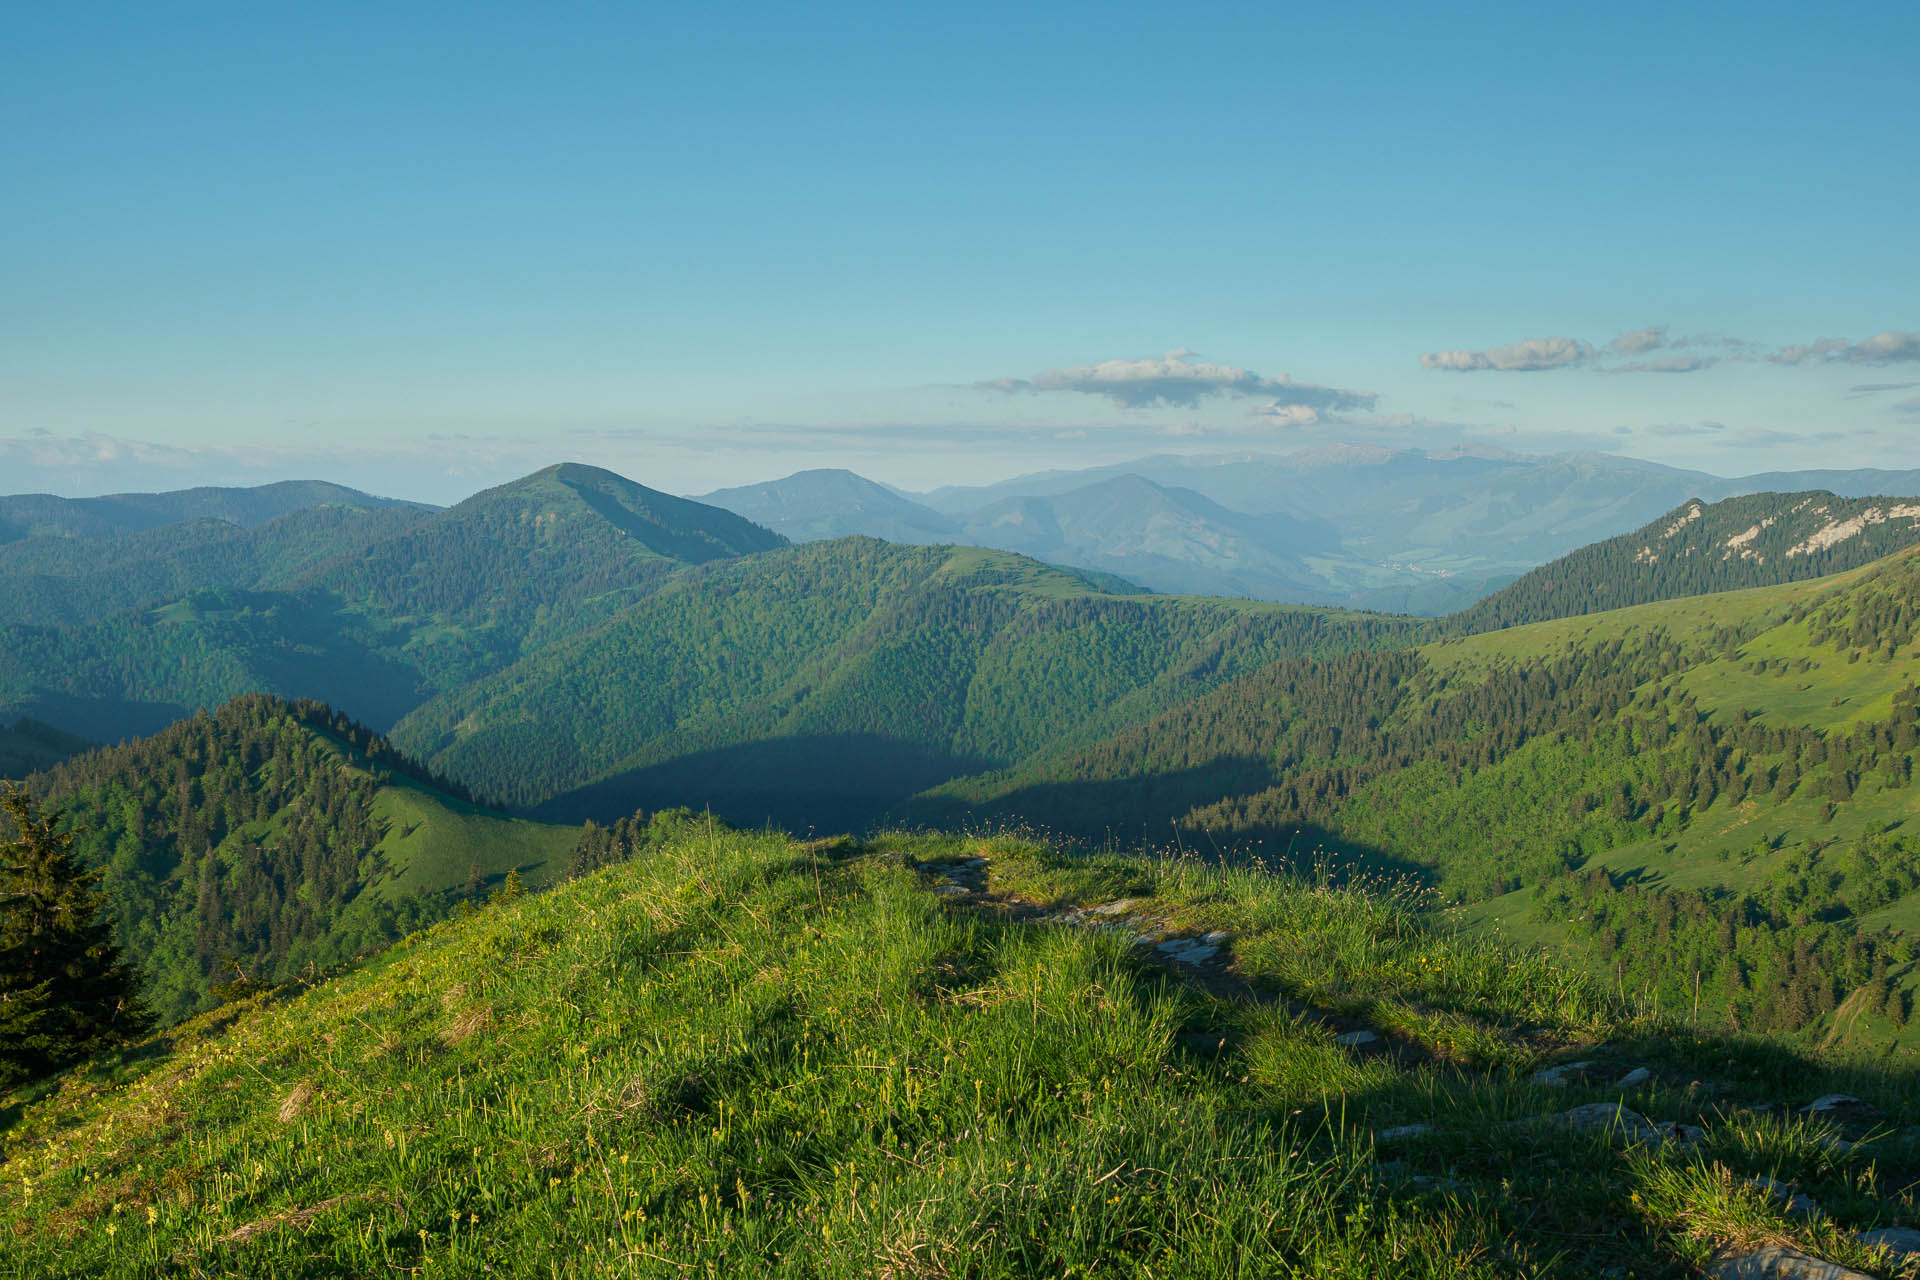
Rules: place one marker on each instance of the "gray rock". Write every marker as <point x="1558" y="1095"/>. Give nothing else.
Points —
<point x="1613" y="1119"/>
<point x="1118" y="907"/>
<point x="1831" y="1102"/>
<point x="1187" y="951"/>
<point x="952" y="890"/>
<point x="1898" y="1241"/>
<point x="1634" y="1078"/>
<point x="1773" y="1263"/>
<point x="1354" y="1039"/>
<point x="1557" y="1077"/>
<point x="1403" y="1133"/>
<point x="1218" y="938"/>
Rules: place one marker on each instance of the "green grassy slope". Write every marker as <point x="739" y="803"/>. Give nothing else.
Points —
<point x="1737" y="765"/>
<point x="272" y="836"/>
<point x="819" y="684"/>
<point x="745" y="1056"/>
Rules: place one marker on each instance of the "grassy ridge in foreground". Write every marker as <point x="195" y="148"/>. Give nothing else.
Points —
<point x="743" y="1055"/>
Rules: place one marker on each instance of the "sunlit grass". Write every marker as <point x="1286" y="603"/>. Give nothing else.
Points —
<point x="748" y="1056"/>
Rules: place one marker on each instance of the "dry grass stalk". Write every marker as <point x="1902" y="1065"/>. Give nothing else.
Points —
<point x="468" y="1023"/>
<point x="296" y="1103"/>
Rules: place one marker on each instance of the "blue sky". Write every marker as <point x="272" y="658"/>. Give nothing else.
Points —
<point x="424" y="248"/>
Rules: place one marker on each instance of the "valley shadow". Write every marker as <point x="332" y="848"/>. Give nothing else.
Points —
<point x="811" y="783"/>
<point x="102" y="719"/>
<point x="1144" y="813"/>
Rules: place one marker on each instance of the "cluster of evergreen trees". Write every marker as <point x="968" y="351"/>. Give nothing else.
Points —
<point x="1778" y="958"/>
<point x="242" y="837"/>
<point x="65" y="992"/>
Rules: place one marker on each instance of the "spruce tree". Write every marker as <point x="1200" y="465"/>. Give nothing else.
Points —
<point x="64" y="990"/>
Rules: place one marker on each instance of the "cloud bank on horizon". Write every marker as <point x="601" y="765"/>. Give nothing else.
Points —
<point x="1533" y="355"/>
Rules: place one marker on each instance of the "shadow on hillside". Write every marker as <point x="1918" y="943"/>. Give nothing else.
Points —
<point x="103" y="719"/>
<point x="817" y="782"/>
<point x="1141" y="813"/>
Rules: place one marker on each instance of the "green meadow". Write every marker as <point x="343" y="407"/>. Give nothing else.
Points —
<point x="742" y="1054"/>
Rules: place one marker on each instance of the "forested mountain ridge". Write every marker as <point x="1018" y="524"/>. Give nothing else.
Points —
<point x="819" y="684"/>
<point x="517" y="567"/>
<point x="269" y="836"/>
<point x="44" y="515"/>
<point x="65" y="581"/>
<point x="376" y="612"/>
<point x="1749" y="541"/>
<point x="1743" y="758"/>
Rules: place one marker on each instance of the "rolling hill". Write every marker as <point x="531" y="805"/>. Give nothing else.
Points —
<point x="1743" y="756"/>
<point x="811" y="506"/>
<point x="269" y="837"/>
<point x="375" y="613"/>
<point x="51" y="581"/>
<point x="44" y="515"/>
<point x="818" y="685"/>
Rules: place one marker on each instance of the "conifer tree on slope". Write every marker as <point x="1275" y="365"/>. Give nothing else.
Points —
<point x="65" y="992"/>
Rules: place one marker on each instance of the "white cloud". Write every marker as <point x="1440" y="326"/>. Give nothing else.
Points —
<point x="1884" y="348"/>
<point x="1277" y="414"/>
<point x="1887" y="347"/>
<point x="1529" y="356"/>
<point x="1640" y="341"/>
<point x="1670" y="364"/>
<point x="1179" y="380"/>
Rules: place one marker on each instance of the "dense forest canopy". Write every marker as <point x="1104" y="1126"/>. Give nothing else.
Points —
<point x="818" y="685"/>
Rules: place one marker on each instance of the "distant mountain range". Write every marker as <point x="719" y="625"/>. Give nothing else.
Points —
<point x="376" y="610"/>
<point x="30" y="514"/>
<point x="579" y="645"/>
<point x="1359" y="526"/>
